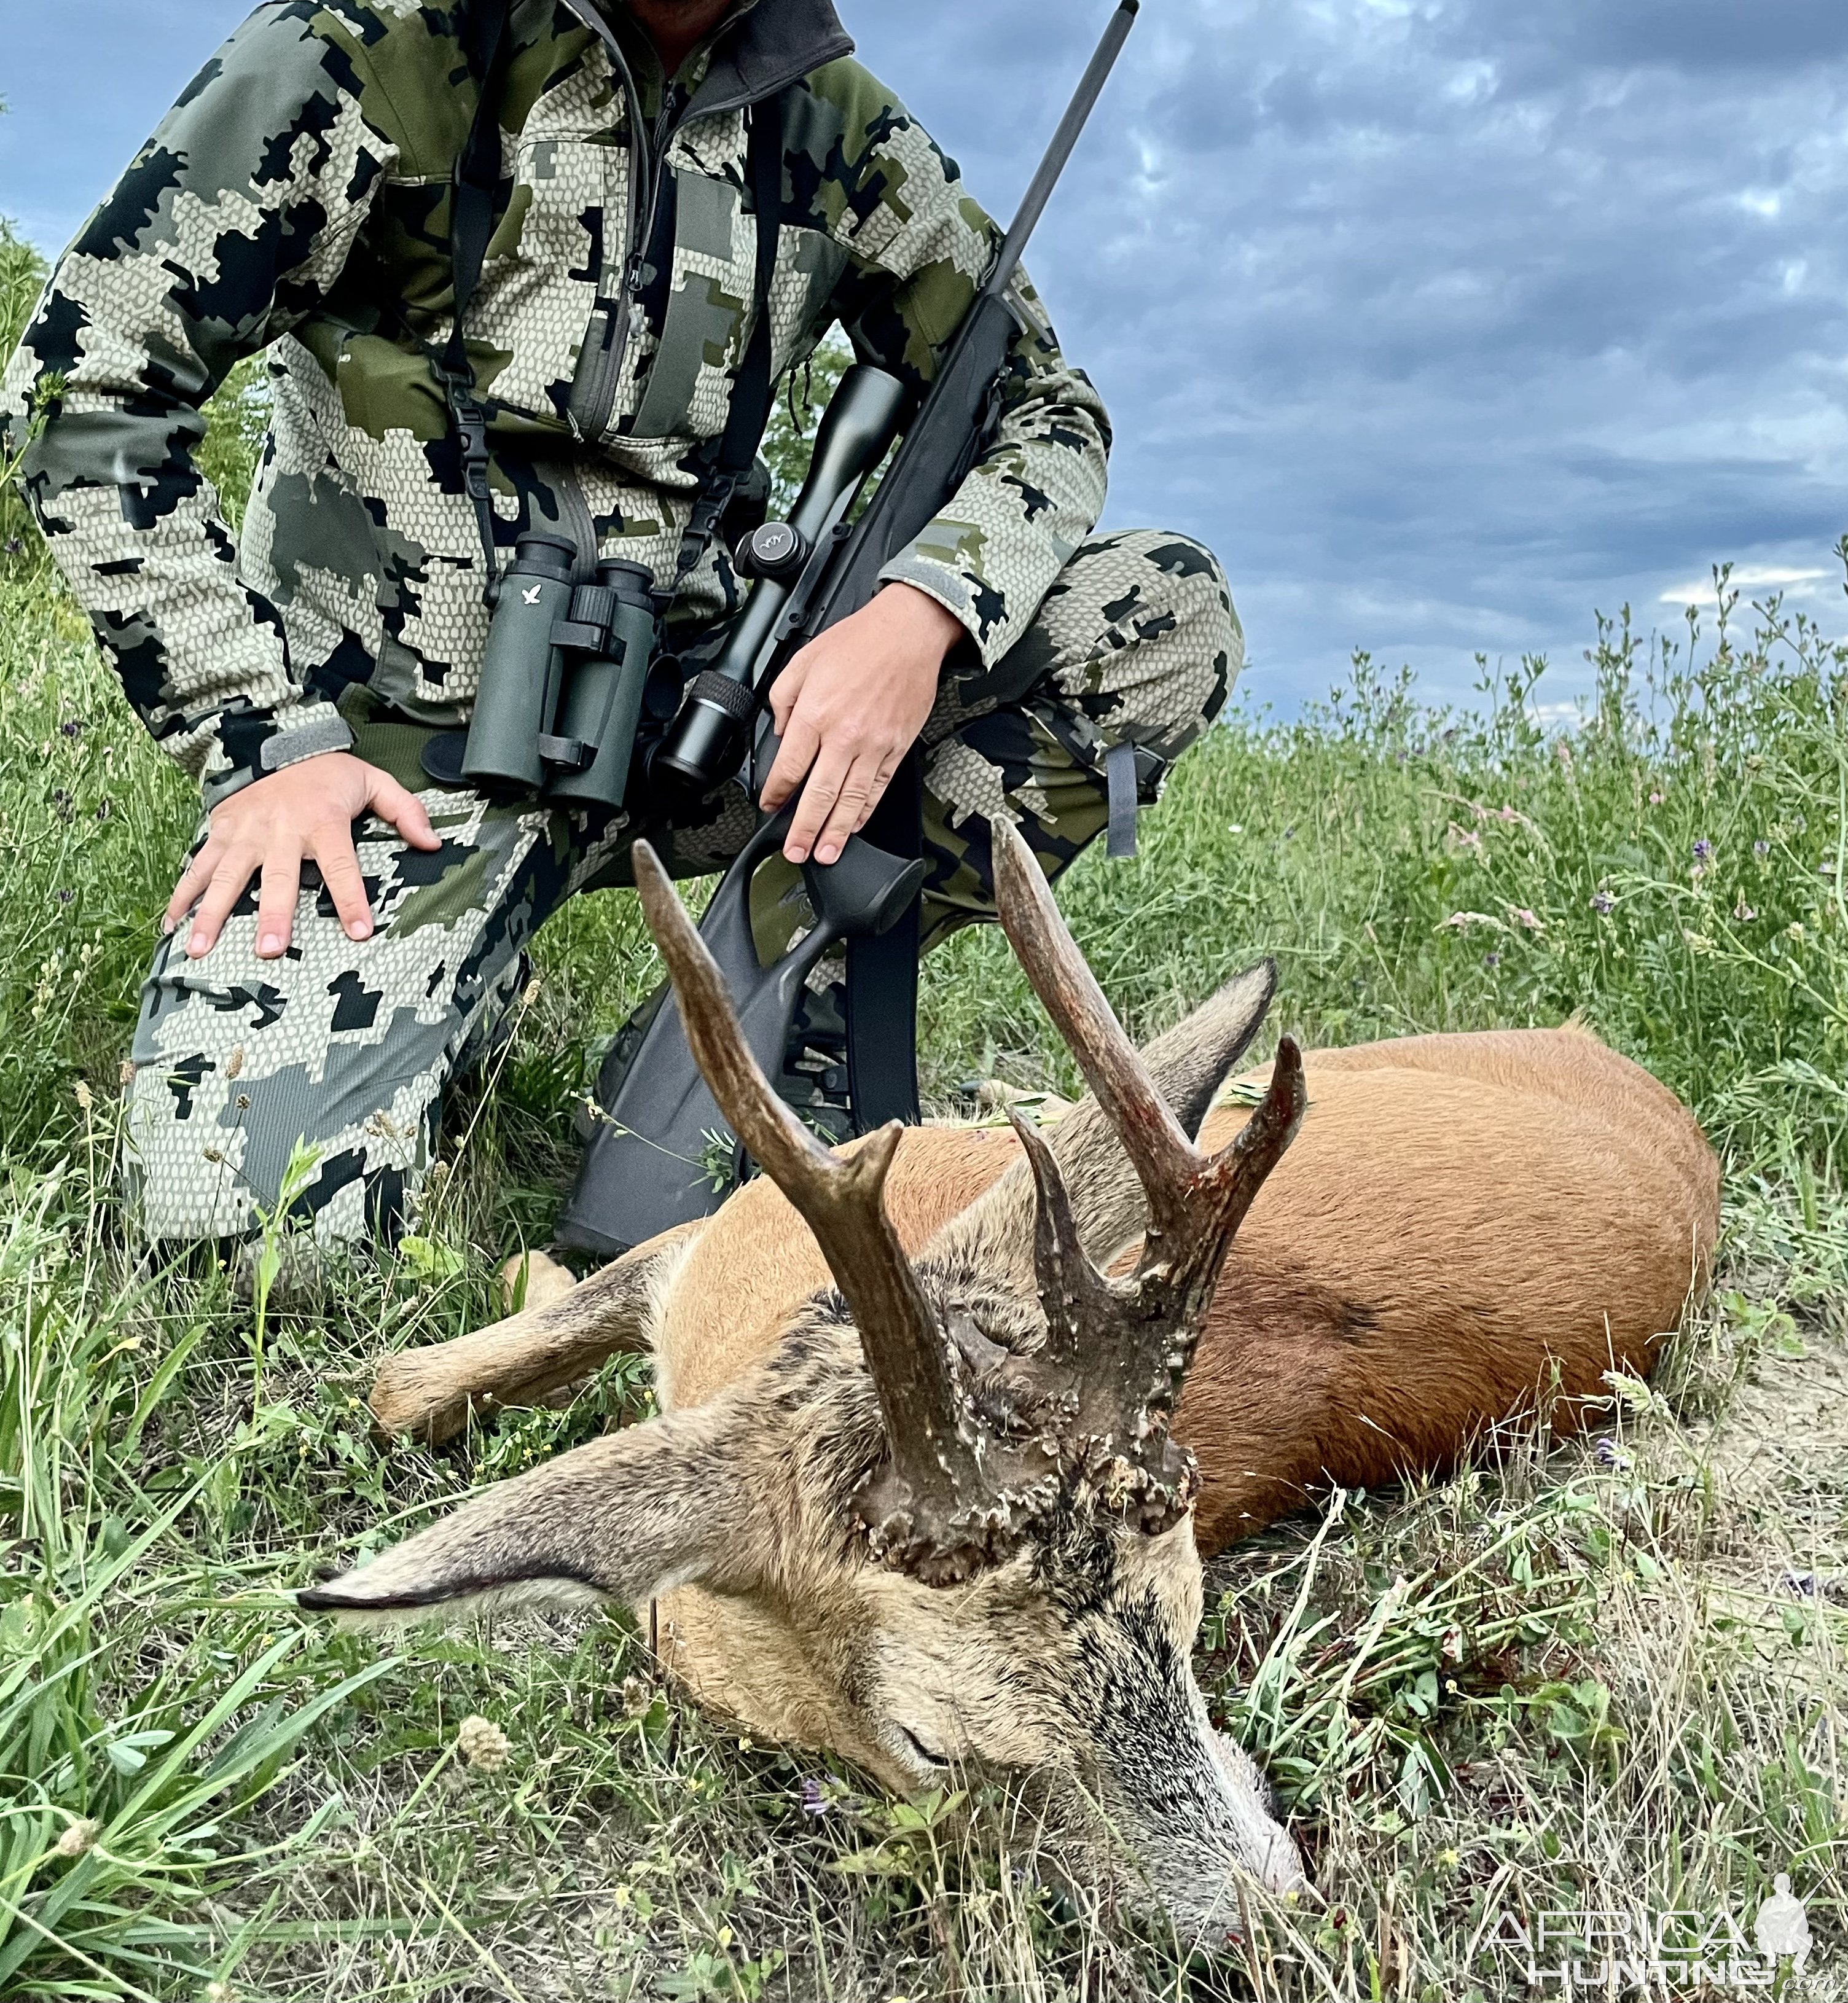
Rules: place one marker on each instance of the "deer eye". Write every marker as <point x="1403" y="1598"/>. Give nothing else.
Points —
<point x="916" y="1746"/>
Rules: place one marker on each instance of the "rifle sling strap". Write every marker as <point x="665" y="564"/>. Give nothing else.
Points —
<point x="882" y="977"/>
<point x="755" y="389"/>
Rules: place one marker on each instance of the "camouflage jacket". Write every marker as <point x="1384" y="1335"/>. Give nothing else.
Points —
<point x="297" y="201"/>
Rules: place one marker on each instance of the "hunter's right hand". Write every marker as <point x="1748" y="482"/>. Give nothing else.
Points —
<point x="305" y="813"/>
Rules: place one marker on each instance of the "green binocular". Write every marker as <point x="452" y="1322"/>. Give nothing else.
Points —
<point x="562" y="679"/>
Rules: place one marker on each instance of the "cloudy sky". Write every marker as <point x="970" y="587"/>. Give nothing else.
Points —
<point x="1445" y="321"/>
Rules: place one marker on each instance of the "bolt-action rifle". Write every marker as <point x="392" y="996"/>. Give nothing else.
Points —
<point x="647" y="1165"/>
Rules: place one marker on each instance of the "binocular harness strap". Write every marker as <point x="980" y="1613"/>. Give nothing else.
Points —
<point x="488" y="39"/>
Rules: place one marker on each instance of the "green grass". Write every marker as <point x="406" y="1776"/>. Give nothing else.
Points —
<point x="1580" y="1678"/>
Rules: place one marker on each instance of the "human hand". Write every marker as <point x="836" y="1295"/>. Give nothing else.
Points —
<point x="847" y="708"/>
<point x="303" y="813"/>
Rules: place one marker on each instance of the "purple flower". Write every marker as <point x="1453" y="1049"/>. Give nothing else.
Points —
<point x="67" y="896"/>
<point x="1491" y="961"/>
<point x="1760" y="849"/>
<point x="1703" y="850"/>
<point x="814" y="1799"/>
<point x="1611" y="1455"/>
<point x="72" y="728"/>
<point x="1604" y="904"/>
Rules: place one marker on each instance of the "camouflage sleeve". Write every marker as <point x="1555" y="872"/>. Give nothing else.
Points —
<point x="919" y="250"/>
<point x="222" y="235"/>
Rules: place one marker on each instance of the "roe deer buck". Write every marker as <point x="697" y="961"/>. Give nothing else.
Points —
<point x="944" y="1514"/>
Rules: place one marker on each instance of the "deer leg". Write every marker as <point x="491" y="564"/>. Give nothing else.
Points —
<point x="430" y="1393"/>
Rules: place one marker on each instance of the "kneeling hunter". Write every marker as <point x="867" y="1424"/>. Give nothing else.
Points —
<point x="350" y="930"/>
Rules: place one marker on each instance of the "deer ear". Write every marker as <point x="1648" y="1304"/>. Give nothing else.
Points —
<point x="1189" y="1066"/>
<point x="628" y="1517"/>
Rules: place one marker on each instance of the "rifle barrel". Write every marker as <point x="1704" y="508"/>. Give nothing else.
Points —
<point x="1064" y="143"/>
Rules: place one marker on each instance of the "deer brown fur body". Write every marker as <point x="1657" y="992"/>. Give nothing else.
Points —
<point x="1467" y="1226"/>
<point x="920" y="1493"/>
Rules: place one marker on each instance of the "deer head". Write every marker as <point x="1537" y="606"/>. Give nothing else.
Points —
<point x="950" y="1503"/>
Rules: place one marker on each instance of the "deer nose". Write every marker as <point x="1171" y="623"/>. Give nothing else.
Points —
<point x="1281" y="1871"/>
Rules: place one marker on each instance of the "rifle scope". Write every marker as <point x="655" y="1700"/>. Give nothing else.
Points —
<point x="711" y="734"/>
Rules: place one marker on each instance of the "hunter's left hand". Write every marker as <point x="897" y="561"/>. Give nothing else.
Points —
<point x="847" y="708"/>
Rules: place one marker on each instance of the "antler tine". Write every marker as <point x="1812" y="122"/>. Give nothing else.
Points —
<point x="1185" y="1271"/>
<point x="1164" y="1159"/>
<point x="842" y="1199"/>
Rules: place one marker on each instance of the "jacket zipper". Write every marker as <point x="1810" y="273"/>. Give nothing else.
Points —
<point x="598" y="400"/>
<point x="648" y="155"/>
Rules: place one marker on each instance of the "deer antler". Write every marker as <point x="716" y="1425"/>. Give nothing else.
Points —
<point x="983" y="1443"/>
<point x="1128" y="1345"/>
<point x="946" y="1504"/>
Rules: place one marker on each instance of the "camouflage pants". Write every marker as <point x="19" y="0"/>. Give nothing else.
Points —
<point x="343" y="1049"/>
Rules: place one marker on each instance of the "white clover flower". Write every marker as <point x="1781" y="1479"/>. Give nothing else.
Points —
<point x="483" y="1745"/>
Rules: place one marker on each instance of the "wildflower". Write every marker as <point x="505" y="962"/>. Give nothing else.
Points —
<point x="71" y="728"/>
<point x="1491" y="961"/>
<point x="1522" y="916"/>
<point x="1703" y="850"/>
<point x="1697" y="941"/>
<point x="14" y="544"/>
<point x="1611" y="1455"/>
<point x="84" y="1101"/>
<point x="814" y="1799"/>
<point x="1794" y="930"/>
<point x="1604" y="904"/>
<point x="78" y="1840"/>
<point x="1760" y="849"/>
<point x="1656" y="799"/>
<point x="1744" y="912"/>
<point x="483" y="1745"/>
<point x="1450" y="1647"/>
<point x="1460" y="921"/>
<point x="67" y="896"/>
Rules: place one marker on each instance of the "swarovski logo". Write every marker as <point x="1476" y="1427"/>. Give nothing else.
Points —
<point x="531" y="597"/>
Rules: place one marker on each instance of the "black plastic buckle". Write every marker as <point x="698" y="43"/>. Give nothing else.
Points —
<point x="570" y="754"/>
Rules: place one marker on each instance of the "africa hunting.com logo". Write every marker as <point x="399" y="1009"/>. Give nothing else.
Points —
<point x="1611" y="1956"/>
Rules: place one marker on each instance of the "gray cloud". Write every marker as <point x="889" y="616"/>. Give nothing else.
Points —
<point x="1443" y="319"/>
